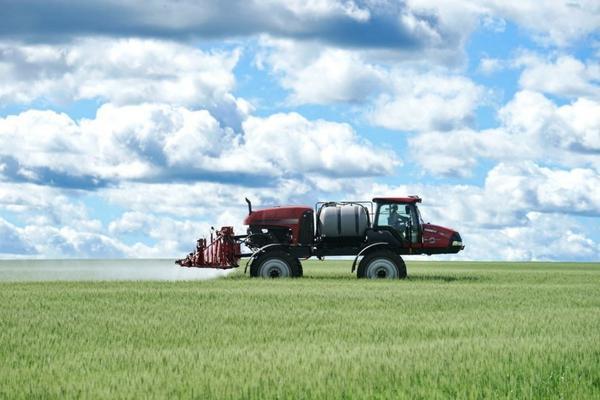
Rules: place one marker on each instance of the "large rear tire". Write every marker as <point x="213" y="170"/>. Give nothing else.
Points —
<point x="382" y="264"/>
<point x="276" y="264"/>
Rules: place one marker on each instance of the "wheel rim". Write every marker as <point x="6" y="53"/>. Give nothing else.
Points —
<point x="382" y="268"/>
<point x="275" y="268"/>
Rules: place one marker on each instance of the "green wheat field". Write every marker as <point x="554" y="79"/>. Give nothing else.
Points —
<point x="452" y="330"/>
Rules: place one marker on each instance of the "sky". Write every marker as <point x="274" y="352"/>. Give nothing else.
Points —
<point x="128" y="128"/>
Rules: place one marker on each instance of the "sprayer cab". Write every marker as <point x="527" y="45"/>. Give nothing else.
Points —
<point x="401" y="217"/>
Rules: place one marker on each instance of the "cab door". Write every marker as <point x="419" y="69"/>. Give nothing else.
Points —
<point x="415" y="228"/>
<point x="399" y="218"/>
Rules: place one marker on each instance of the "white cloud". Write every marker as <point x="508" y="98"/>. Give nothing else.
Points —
<point x="488" y="65"/>
<point x="583" y="118"/>
<point x="540" y="237"/>
<point x="427" y="102"/>
<point x="333" y="76"/>
<point x="294" y="144"/>
<point x="530" y="187"/>
<point x="55" y="224"/>
<point x="403" y="95"/>
<point x="159" y="142"/>
<point x="532" y="128"/>
<point x="345" y="23"/>
<point x="555" y="22"/>
<point x="70" y="242"/>
<point x="11" y="242"/>
<point x="170" y="236"/>
<point x="35" y="240"/>
<point x="149" y="141"/>
<point x="317" y="74"/>
<point x="574" y="126"/>
<point x="121" y="71"/>
<point x="564" y="76"/>
<point x="45" y="205"/>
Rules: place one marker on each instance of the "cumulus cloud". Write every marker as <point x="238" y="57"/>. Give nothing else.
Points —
<point x="532" y="128"/>
<point x="344" y="23"/>
<point x="36" y="240"/>
<point x="122" y="71"/>
<point x="157" y="142"/>
<point x="402" y="95"/>
<point x="574" y="126"/>
<point x="488" y="65"/>
<point x="295" y="144"/>
<point x="322" y="76"/>
<point x="53" y="222"/>
<point x="541" y="237"/>
<point x="565" y="76"/>
<point x="415" y="24"/>
<point x="530" y="187"/>
<point x="558" y="23"/>
<point x="70" y="242"/>
<point x="11" y="242"/>
<point x="427" y="102"/>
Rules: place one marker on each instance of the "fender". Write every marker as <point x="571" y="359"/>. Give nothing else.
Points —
<point x="261" y="250"/>
<point x="360" y="253"/>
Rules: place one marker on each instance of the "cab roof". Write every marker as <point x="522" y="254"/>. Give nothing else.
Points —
<point x="402" y="200"/>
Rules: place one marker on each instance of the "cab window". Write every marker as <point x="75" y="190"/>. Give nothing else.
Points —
<point x="396" y="216"/>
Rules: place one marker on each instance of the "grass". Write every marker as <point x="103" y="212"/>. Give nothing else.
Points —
<point x="453" y="330"/>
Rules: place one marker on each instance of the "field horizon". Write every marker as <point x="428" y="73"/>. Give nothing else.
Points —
<point x="452" y="329"/>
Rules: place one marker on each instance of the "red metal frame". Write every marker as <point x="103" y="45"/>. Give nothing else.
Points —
<point x="223" y="251"/>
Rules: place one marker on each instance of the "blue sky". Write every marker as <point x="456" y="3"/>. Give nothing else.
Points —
<point x="127" y="130"/>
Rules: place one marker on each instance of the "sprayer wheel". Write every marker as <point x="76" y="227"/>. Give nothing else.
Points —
<point x="382" y="264"/>
<point x="276" y="264"/>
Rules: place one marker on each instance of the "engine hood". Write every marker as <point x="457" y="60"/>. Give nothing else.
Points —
<point x="439" y="239"/>
<point x="287" y="215"/>
<point x="438" y="230"/>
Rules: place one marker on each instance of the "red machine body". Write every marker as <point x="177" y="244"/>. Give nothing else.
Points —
<point x="435" y="236"/>
<point x="279" y="237"/>
<point x="287" y="217"/>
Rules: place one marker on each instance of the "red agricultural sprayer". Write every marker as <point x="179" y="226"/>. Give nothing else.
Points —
<point x="376" y="232"/>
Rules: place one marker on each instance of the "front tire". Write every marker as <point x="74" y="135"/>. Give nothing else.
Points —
<point x="382" y="264"/>
<point x="276" y="264"/>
